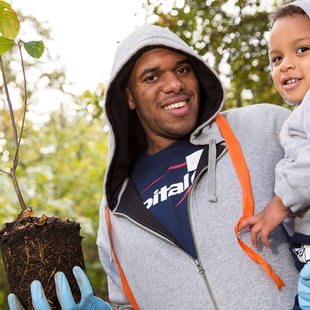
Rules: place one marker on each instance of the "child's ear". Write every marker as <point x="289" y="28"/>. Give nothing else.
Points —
<point x="130" y="100"/>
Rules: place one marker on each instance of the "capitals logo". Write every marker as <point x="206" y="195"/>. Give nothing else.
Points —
<point x="162" y="192"/>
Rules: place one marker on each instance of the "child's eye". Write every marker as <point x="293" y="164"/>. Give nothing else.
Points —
<point x="302" y="50"/>
<point x="276" y="59"/>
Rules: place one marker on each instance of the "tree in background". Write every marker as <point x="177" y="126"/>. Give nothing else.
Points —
<point x="231" y="36"/>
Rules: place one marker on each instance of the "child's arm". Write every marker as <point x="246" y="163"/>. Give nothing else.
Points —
<point x="293" y="172"/>
<point x="265" y="221"/>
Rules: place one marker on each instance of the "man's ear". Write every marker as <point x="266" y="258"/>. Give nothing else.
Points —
<point x="130" y="100"/>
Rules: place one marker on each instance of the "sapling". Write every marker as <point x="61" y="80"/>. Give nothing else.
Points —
<point x="33" y="248"/>
<point x="9" y="29"/>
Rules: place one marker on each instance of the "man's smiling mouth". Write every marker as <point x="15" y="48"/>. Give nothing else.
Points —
<point x="176" y="105"/>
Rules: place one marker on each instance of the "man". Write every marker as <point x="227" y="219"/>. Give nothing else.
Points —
<point x="172" y="217"/>
<point x="175" y="187"/>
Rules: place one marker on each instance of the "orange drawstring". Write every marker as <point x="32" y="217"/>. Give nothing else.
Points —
<point x="126" y="287"/>
<point x="242" y="171"/>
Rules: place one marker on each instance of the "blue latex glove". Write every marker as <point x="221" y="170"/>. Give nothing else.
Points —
<point x="304" y="288"/>
<point x="39" y="301"/>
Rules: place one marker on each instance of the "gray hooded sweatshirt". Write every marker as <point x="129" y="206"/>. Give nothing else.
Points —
<point x="293" y="171"/>
<point x="161" y="275"/>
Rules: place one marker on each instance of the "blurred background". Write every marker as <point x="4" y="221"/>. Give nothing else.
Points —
<point x="64" y="148"/>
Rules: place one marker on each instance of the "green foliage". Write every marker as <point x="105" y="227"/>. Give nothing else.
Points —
<point x="231" y="37"/>
<point x="9" y="23"/>
<point x="10" y="27"/>
<point x="34" y="48"/>
<point x="5" y="44"/>
<point x="92" y="102"/>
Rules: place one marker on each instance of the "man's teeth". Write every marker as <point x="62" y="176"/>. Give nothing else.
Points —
<point x="176" y="105"/>
<point x="291" y="81"/>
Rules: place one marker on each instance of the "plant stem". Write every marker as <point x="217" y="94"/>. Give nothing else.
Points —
<point x="5" y="85"/>
<point x="17" y="190"/>
<point x="16" y="157"/>
<point x="12" y="173"/>
<point x="3" y="171"/>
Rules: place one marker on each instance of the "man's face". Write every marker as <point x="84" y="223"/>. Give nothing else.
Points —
<point x="164" y="90"/>
<point x="290" y="56"/>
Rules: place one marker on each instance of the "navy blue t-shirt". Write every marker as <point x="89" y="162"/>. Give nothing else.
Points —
<point x="163" y="181"/>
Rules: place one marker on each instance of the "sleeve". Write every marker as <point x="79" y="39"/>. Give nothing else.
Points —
<point x="293" y="172"/>
<point x="116" y="295"/>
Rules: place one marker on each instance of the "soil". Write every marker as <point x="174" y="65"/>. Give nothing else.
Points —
<point x="35" y="249"/>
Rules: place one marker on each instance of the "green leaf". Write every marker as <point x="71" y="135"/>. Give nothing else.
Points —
<point x="5" y="44"/>
<point x="34" y="48"/>
<point x="4" y="5"/>
<point x="9" y="22"/>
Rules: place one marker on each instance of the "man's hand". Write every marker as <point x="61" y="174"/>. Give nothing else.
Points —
<point x="39" y="301"/>
<point x="304" y="288"/>
<point x="265" y="221"/>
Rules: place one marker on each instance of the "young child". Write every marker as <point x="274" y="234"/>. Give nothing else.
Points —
<point x="289" y="52"/>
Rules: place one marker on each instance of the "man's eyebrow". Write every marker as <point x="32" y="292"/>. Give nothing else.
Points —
<point x="184" y="61"/>
<point x="148" y="70"/>
<point x="156" y="69"/>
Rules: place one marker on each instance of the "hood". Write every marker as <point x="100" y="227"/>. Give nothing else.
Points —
<point x="303" y="4"/>
<point x="127" y="139"/>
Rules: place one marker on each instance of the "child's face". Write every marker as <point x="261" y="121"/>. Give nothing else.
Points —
<point x="289" y="53"/>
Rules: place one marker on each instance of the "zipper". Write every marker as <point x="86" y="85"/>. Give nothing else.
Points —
<point x="200" y="267"/>
<point x="197" y="261"/>
<point x="202" y="272"/>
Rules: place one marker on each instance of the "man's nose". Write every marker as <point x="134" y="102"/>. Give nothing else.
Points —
<point x="172" y="83"/>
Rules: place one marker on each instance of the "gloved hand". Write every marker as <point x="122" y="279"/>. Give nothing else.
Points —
<point x="39" y="301"/>
<point x="304" y="288"/>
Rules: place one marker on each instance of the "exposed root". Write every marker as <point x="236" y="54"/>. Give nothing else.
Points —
<point x="35" y="249"/>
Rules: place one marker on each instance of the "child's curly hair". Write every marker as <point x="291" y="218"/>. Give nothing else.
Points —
<point x="284" y="11"/>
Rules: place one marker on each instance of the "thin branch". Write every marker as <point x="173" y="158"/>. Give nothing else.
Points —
<point x="16" y="157"/>
<point x="12" y="174"/>
<point x="9" y="102"/>
<point x="17" y="190"/>
<point x="5" y="172"/>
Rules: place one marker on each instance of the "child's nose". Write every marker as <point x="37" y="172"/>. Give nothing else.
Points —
<point x="287" y="64"/>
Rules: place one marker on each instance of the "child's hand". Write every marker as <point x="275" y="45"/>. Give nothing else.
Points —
<point x="265" y="221"/>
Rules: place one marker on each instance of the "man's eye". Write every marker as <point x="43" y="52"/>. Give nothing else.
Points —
<point x="302" y="50"/>
<point x="183" y="70"/>
<point x="151" y="78"/>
